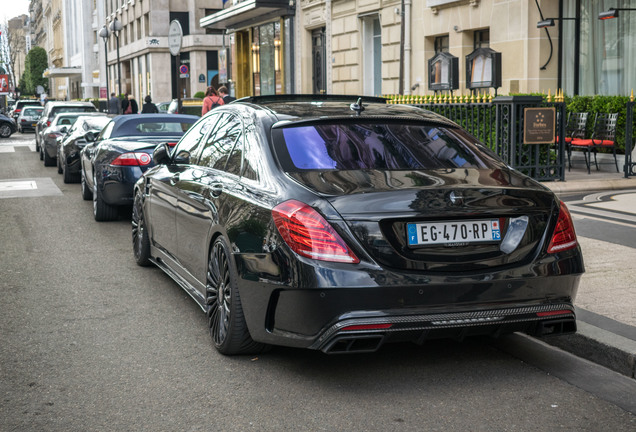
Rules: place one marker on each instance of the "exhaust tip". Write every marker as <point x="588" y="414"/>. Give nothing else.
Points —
<point x="556" y="327"/>
<point x="354" y="344"/>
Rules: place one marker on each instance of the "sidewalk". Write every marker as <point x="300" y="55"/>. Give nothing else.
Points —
<point x="606" y="300"/>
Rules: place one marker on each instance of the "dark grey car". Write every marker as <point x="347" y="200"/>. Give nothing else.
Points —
<point x="51" y="109"/>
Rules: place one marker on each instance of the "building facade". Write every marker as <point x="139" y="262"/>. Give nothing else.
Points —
<point x="147" y="66"/>
<point x="377" y="47"/>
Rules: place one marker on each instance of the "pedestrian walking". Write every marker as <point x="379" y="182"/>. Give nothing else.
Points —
<point x="149" y="107"/>
<point x="129" y="105"/>
<point x="113" y="104"/>
<point x="225" y="95"/>
<point x="211" y="100"/>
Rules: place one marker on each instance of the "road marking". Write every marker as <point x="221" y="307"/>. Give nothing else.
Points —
<point x="17" y="185"/>
<point x="30" y="187"/>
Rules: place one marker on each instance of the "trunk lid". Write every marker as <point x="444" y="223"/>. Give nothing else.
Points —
<point x="381" y="206"/>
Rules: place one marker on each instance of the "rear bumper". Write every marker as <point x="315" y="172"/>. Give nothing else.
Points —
<point x="359" y="335"/>
<point x="117" y="184"/>
<point x="407" y="306"/>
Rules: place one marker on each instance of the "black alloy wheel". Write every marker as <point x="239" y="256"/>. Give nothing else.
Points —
<point x="225" y="314"/>
<point x="140" y="240"/>
<point x="5" y="131"/>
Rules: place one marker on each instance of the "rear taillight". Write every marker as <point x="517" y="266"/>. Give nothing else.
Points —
<point x="48" y="123"/>
<point x="308" y="234"/>
<point x="564" y="236"/>
<point x="132" y="159"/>
<point x="172" y="144"/>
<point x="18" y="111"/>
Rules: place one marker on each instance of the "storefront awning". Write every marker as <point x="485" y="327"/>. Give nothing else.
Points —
<point x="63" y="72"/>
<point x="244" y="13"/>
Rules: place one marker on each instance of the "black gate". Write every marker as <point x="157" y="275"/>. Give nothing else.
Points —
<point x="499" y="125"/>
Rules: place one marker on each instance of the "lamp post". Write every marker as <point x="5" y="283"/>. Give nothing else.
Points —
<point x="115" y="28"/>
<point x="104" y="33"/>
<point x="549" y="22"/>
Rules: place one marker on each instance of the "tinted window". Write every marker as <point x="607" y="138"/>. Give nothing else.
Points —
<point x="187" y="146"/>
<point x="378" y="146"/>
<point x="220" y="143"/>
<point x="65" y="120"/>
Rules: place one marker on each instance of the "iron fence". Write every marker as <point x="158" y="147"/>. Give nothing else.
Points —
<point x="499" y="125"/>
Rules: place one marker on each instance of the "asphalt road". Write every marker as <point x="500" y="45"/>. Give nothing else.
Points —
<point x="91" y="342"/>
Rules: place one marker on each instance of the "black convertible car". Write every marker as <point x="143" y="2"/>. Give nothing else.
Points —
<point x="340" y="224"/>
<point x="114" y="160"/>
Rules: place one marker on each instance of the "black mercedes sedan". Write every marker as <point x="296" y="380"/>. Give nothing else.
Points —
<point x="84" y="130"/>
<point x="340" y="224"/>
<point x="119" y="155"/>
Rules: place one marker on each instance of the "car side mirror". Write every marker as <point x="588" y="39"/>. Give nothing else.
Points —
<point x="63" y="129"/>
<point x="90" y="136"/>
<point x="161" y="155"/>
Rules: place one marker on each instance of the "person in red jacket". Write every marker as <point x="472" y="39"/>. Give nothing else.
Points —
<point x="211" y="100"/>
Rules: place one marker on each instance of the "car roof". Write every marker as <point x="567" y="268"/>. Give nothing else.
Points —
<point x="328" y="108"/>
<point x="69" y="103"/>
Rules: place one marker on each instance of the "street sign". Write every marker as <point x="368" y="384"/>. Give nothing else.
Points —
<point x="183" y="69"/>
<point x="175" y="37"/>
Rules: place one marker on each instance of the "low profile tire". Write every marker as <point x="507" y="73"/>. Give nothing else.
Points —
<point x="41" y="150"/>
<point x="48" y="160"/>
<point x="87" y="194"/>
<point x="5" y="131"/>
<point x="37" y="144"/>
<point x="225" y="314"/>
<point x="101" y="211"/>
<point x="140" y="240"/>
<point x="69" y="177"/>
<point x="59" y="164"/>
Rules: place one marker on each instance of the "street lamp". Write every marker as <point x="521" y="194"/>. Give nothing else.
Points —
<point x="115" y="28"/>
<point x="104" y="33"/>
<point x="550" y="22"/>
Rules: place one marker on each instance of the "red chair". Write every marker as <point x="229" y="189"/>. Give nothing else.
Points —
<point x="575" y="128"/>
<point x="603" y="136"/>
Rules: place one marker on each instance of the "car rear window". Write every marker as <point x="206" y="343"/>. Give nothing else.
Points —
<point x="140" y="127"/>
<point x="33" y="111"/>
<point x="389" y="146"/>
<point x="79" y="109"/>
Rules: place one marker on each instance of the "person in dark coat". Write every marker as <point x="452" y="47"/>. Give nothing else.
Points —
<point x="149" y="107"/>
<point x="113" y="104"/>
<point x="129" y="105"/>
<point x="225" y="95"/>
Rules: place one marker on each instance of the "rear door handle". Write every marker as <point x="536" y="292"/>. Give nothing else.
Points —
<point x="174" y="179"/>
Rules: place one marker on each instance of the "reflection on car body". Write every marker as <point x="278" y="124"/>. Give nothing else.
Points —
<point x="290" y="220"/>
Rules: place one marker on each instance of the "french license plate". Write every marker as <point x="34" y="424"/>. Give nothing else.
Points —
<point x="33" y="124"/>
<point x="473" y="231"/>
